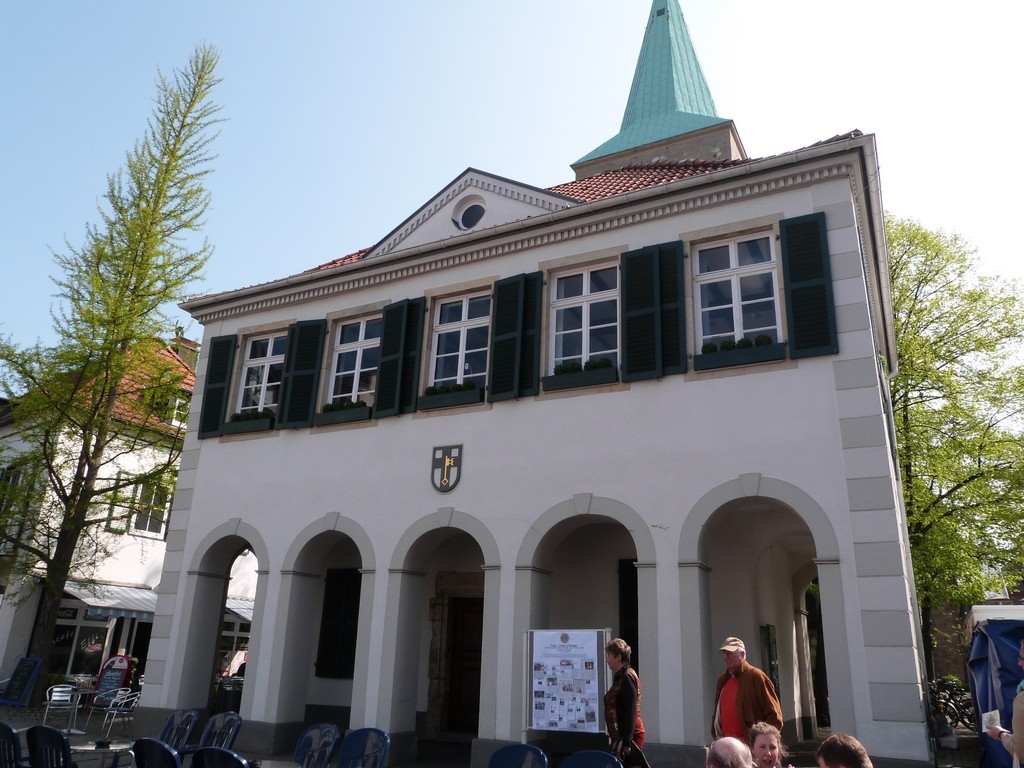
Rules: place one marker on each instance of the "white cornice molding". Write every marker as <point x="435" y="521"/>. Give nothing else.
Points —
<point x="604" y="215"/>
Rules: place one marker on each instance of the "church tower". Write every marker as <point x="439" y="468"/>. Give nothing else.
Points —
<point x="670" y="115"/>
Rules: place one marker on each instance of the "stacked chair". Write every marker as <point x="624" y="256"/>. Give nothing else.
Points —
<point x="317" y="746"/>
<point x="518" y="756"/>
<point x="10" y="748"/>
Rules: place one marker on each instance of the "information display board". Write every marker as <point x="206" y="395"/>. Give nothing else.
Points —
<point x="567" y="679"/>
<point x="22" y="679"/>
<point x="115" y="673"/>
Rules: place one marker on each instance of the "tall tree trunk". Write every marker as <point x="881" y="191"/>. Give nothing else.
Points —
<point x="928" y="641"/>
<point x="46" y="617"/>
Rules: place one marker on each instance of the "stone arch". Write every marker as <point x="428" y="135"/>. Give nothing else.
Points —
<point x="745" y="486"/>
<point x="586" y="504"/>
<point x="337" y="523"/>
<point x="447" y="517"/>
<point x="218" y="543"/>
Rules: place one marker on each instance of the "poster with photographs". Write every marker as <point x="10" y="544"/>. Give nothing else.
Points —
<point x="567" y="679"/>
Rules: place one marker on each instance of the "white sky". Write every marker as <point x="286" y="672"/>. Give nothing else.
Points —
<point x="344" y="117"/>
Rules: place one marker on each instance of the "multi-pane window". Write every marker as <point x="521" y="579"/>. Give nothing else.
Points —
<point x="149" y="512"/>
<point x="356" y="355"/>
<point x="736" y="291"/>
<point x="10" y="503"/>
<point x="262" y="371"/>
<point x="141" y="509"/>
<point x="461" y="333"/>
<point x="585" y="316"/>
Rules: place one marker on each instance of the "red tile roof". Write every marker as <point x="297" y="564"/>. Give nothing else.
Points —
<point x="619" y="181"/>
<point x="630" y="178"/>
<point x="343" y="260"/>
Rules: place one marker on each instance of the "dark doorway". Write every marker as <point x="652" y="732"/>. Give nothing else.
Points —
<point x="465" y="630"/>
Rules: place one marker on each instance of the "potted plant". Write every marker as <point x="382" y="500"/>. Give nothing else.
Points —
<point x="342" y="411"/>
<point x="249" y="421"/>
<point x="598" y="370"/>
<point x="743" y="351"/>
<point x="449" y="395"/>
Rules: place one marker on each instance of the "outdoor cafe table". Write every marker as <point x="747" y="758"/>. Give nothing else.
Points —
<point x="116" y="748"/>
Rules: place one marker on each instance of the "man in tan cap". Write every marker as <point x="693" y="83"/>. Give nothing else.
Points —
<point x="744" y="695"/>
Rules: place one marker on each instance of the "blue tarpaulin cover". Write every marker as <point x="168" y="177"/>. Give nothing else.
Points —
<point x="994" y="675"/>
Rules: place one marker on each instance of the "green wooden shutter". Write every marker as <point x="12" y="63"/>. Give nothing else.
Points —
<point x="653" y="316"/>
<point x="514" y="367"/>
<point x="339" y="624"/>
<point x="809" y="303"/>
<point x="302" y="373"/>
<point x="218" y="385"/>
<point x="398" y="370"/>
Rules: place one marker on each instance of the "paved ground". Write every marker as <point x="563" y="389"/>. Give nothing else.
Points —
<point x="964" y="755"/>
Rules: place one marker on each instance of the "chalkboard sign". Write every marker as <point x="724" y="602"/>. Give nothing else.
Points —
<point x="115" y="673"/>
<point x="22" y="679"/>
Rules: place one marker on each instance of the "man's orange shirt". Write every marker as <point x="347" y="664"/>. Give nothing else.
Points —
<point x="729" y="713"/>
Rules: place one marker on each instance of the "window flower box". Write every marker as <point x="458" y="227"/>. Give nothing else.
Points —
<point x="342" y="416"/>
<point x="242" y="426"/>
<point x="725" y="358"/>
<point x="574" y="379"/>
<point x="450" y="399"/>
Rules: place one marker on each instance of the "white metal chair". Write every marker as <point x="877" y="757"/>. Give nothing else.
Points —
<point x="60" y="698"/>
<point x="102" y="702"/>
<point x="123" y="706"/>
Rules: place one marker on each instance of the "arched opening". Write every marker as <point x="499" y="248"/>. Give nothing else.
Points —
<point x="760" y="557"/>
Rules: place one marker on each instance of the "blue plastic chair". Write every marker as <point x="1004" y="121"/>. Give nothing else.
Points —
<point x="364" y="748"/>
<point x="178" y="728"/>
<point x="317" y="746"/>
<point x="48" y="748"/>
<point x="154" y="753"/>
<point x="218" y="757"/>
<point x="221" y="731"/>
<point x="591" y="758"/>
<point x="10" y="748"/>
<point x="518" y="756"/>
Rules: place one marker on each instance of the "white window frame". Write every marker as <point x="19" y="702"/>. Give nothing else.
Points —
<point x="150" y="510"/>
<point x="360" y="371"/>
<point x="470" y="364"/>
<point x="262" y="376"/>
<point x="11" y="478"/>
<point x="734" y="274"/>
<point x="586" y="300"/>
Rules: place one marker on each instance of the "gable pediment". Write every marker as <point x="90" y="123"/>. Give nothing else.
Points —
<point x="475" y="201"/>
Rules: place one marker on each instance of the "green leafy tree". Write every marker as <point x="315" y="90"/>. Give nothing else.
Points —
<point x="107" y="388"/>
<point x="957" y="403"/>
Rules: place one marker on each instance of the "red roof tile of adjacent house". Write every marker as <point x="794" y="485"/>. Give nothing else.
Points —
<point x="631" y="178"/>
<point x="343" y="260"/>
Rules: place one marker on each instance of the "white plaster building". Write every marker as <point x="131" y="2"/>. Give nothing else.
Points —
<point x="677" y="497"/>
<point x="108" y="604"/>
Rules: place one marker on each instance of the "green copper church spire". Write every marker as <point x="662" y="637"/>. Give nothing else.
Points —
<point x="669" y="96"/>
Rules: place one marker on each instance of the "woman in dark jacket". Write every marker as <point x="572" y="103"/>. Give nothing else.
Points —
<point x="622" y="702"/>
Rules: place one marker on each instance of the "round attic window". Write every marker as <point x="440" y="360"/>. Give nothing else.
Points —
<point x="469" y="216"/>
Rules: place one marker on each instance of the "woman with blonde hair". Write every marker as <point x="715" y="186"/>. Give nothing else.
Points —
<point x="622" y="705"/>
<point x="766" y="746"/>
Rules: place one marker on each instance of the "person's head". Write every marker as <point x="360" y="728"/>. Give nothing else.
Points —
<point x="617" y="654"/>
<point x="766" y="745"/>
<point x="728" y="752"/>
<point x="841" y="750"/>
<point x="733" y="653"/>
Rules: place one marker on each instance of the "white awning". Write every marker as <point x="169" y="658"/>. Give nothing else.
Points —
<point x="120" y="602"/>
<point x="241" y="608"/>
